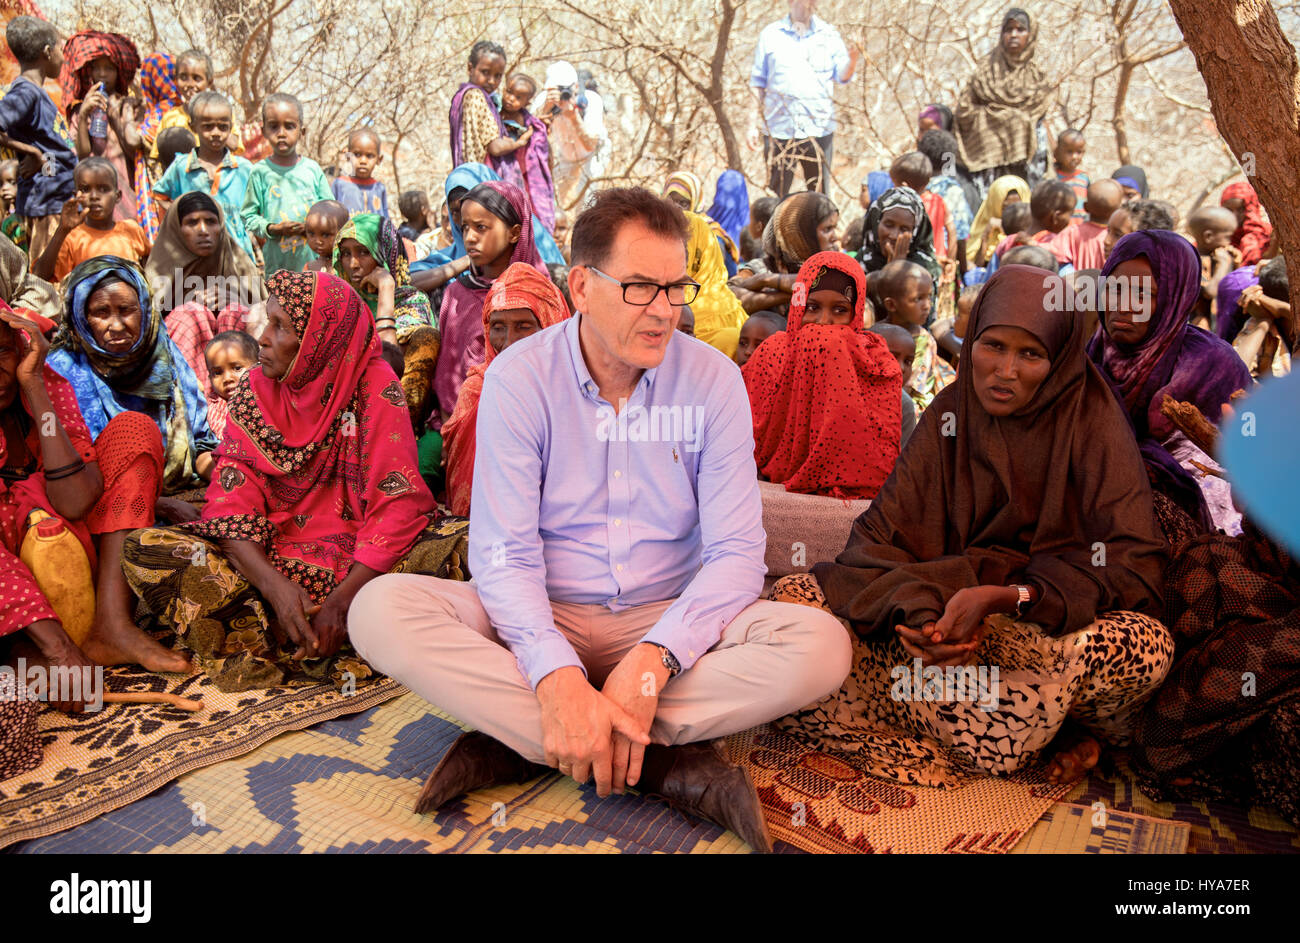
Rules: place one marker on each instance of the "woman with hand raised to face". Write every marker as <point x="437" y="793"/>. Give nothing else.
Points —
<point x="1016" y="531"/>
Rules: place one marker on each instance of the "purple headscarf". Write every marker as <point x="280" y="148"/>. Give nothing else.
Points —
<point x="1185" y="362"/>
<point x="461" y="317"/>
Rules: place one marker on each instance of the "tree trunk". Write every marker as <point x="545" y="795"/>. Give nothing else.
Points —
<point x="717" y="69"/>
<point x="1117" y="118"/>
<point x="1245" y="59"/>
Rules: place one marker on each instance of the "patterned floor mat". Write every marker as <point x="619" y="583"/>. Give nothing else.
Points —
<point x="826" y="804"/>
<point x="95" y="763"/>
<point x="347" y="785"/>
<point x="1215" y="827"/>
<point x="1067" y="828"/>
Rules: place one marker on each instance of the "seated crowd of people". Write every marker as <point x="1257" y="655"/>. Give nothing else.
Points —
<point x="512" y="458"/>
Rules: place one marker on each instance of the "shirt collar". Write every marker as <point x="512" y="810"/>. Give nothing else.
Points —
<point x="787" y="24"/>
<point x="580" y="371"/>
<point x="227" y="160"/>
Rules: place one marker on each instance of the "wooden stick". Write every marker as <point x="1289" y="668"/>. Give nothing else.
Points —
<point x="149" y="697"/>
<point x="1192" y="423"/>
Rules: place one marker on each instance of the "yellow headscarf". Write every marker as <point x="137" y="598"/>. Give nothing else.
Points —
<point x="991" y="208"/>
<point x="718" y="312"/>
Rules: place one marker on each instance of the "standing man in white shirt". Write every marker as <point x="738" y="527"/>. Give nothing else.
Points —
<point x="796" y="62"/>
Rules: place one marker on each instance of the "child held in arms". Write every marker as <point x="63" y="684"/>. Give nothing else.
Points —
<point x="1068" y="157"/>
<point x="86" y="225"/>
<point x="324" y="220"/>
<point x="903" y="289"/>
<point x="34" y="127"/>
<point x="361" y="192"/>
<point x="212" y="169"/>
<point x="283" y="187"/>
<point x="230" y="355"/>
<point x="1211" y="228"/>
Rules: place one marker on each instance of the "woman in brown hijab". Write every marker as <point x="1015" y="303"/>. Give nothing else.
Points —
<point x="999" y="116"/>
<point x="1016" y="533"/>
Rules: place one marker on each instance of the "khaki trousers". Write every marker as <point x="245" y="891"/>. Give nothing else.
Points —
<point x="434" y="636"/>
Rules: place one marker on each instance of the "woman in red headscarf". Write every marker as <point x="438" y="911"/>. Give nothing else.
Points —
<point x="92" y="59"/>
<point x="1253" y="232"/>
<point x="521" y="302"/>
<point x="825" y="392"/>
<point x="316" y="491"/>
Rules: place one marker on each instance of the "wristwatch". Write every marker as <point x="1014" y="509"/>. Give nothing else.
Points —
<point x="669" y="660"/>
<point x="1022" y="600"/>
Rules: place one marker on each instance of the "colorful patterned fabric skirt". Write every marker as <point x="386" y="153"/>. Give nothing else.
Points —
<point x="192" y="587"/>
<point x="941" y="729"/>
<point x="1226" y="725"/>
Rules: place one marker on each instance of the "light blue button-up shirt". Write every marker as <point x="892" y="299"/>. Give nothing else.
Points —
<point x="576" y="504"/>
<point x="797" y="73"/>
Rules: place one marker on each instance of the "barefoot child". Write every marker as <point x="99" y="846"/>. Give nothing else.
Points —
<point x="229" y="355"/>
<point x="361" y="192"/>
<point x="282" y="188"/>
<point x="324" y="220"/>
<point x="904" y="290"/>
<point x="86" y="225"/>
<point x="32" y="125"/>
<point x="1068" y="156"/>
<point x="212" y="169"/>
<point x="1211" y="228"/>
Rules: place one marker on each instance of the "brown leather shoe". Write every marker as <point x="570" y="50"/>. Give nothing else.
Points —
<point x="475" y="761"/>
<point x="698" y="779"/>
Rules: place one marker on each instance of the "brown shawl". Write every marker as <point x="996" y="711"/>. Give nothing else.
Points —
<point x="21" y="289"/>
<point x="170" y="259"/>
<point x="1047" y="495"/>
<point x="997" y="113"/>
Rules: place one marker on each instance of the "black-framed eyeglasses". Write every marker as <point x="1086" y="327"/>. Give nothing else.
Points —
<point x="644" y="293"/>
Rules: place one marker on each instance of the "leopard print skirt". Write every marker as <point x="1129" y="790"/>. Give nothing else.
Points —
<point x="943" y="727"/>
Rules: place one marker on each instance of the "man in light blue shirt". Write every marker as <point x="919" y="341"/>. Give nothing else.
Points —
<point x="796" y="62"/>
<point x="616" y="543"/>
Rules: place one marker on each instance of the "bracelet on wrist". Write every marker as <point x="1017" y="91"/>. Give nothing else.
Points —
<point x="64" y="471"/>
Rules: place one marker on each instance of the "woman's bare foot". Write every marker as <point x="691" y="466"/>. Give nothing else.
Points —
<point x="122" y="642"/>
<point x="1075" y="755"/>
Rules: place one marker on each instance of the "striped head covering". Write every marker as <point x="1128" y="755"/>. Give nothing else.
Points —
<point x="689" y="186"/>
<point x="83" y="48"/>
<point x="157" y="82"/>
